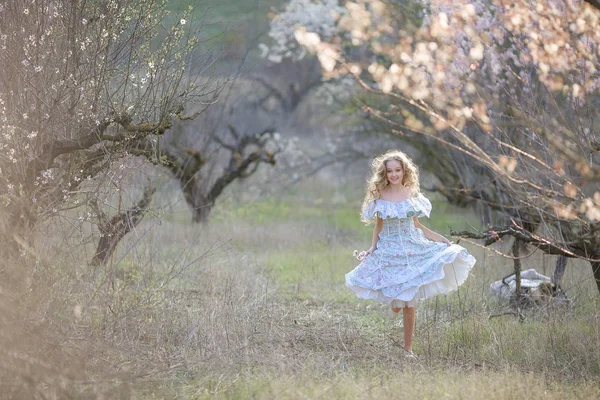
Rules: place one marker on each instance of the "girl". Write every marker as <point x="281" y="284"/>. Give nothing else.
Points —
<point x="406" y="261"/>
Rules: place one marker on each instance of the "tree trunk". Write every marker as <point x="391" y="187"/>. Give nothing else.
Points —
<point x="199" y="202"/>
<point x="517" y="264"/>
<point x="16" y="230"/>
<point x="114" y="229"/>
<point x="201" y="210"/>
<point x="596" y="270"/>
<point x="202" y="199"/>
<point x="559" y="271"/>
<point x="10" y="246"/>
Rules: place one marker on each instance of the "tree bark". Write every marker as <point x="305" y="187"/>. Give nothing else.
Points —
<point x="517" y="265"/>
<point x="559" y="271"/>
<point x="16" y="230"/>
<point x="203" y="199"/>
<point x="114" y="229"/>
<point x="201" y="203"/>
<point x="596" y="270"/>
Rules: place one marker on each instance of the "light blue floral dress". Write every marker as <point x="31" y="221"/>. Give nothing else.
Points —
<point x="406" y="266"/>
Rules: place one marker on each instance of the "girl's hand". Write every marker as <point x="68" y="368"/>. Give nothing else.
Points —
<point x="363" y="254"/>
<point x="448" y="243"/>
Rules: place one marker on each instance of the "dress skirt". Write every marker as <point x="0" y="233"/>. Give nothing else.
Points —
<point x="406" y="266"/>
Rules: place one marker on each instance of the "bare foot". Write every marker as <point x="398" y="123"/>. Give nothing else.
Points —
<point x="409" y="353"/>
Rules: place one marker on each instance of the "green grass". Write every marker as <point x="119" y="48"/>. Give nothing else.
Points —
<point x="264" y="212"/>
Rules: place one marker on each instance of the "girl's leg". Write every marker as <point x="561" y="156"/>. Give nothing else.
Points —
<point x="395" y="310"/>
<point x="409" y="327"/>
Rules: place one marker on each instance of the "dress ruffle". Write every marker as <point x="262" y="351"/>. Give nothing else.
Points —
<point x="418" y="206"/>
<point x="444" y="274"/>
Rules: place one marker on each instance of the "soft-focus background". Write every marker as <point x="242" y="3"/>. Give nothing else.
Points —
<point x="234" y="228"/>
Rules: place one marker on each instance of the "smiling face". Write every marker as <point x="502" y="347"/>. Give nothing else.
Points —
<point x="394" y="172"/>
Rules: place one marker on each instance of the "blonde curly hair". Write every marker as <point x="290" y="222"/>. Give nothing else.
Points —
<point x="378" y="180"/>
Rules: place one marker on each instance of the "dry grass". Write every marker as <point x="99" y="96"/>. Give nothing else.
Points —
<point x="248" y="310"/>
<point x="413" y="383"/>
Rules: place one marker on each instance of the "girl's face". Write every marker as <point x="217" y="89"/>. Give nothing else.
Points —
<point x="394" y="172"/>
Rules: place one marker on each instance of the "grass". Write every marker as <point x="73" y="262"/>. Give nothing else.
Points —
<point x="411" y="385"/>
<point x="254" y="306"/>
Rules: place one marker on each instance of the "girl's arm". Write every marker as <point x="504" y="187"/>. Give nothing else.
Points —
<point x="376" y="230"/>
<point x="429" y="234"/>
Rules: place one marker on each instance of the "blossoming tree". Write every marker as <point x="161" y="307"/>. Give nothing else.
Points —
<point x="82" y="85"/>
<point x="512" y="87"/>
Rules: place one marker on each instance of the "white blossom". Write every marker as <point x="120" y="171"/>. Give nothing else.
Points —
<point x="319" y="18"/>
